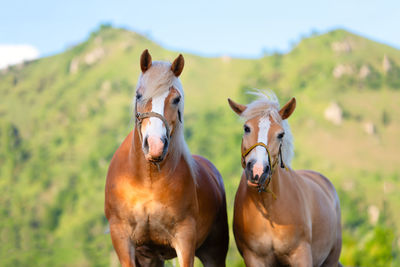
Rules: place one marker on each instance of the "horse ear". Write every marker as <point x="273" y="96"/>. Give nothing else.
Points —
<point x="145" y="61"/>
<point x="177" y="65"/>
<point x="288" y="109"/>
<point x="238" y="108"/>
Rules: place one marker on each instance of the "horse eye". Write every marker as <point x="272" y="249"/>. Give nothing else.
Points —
<point x="246" y="129"/>
<point x="176" y="100"/>
<point x="138" y="96"/>
<point x="281" y="135"/>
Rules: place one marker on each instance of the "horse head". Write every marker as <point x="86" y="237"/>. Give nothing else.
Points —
<point x="159" y="105"/>
<point x="265" y="134"/>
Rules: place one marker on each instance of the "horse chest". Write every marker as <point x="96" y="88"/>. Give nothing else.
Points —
<point x="278" y="240"/>
<point x="152" y="222"/>
<point x="267" y="235"/>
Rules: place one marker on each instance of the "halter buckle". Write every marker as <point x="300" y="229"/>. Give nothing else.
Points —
<point x="138" y="116"/>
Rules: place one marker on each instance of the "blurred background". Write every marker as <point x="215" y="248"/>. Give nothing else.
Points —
<point x="68" y="72"/>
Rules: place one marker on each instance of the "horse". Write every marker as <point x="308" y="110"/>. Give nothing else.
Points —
<point x="160" y="201"/>
<point x="282" y="217"/>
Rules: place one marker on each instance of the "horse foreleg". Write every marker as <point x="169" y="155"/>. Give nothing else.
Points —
<point x="120" y="237"/>
<point x="185" y="243"/>
<point x="301" y="256"/>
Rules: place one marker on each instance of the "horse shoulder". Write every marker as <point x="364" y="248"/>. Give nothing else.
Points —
<point x="243" y="207"/>
<point x="323" y="183"/>
<point x="208" y="177"/>
<point x="123" y="193"/>
<point x="251" y="222"/>
<point x="116" y="169"/>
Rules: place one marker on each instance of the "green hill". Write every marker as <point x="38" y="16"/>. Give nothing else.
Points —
<point x="62" y="117"/>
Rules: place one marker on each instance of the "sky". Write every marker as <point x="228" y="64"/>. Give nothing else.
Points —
<point x="209" y="28"/>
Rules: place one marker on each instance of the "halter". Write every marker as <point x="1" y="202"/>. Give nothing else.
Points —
<point x="140" y="116"/>
<point x="266" y="180"/>
<point x="139" y="119"/>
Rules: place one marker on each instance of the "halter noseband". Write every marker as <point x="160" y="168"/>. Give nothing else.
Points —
<point x="265" y="181"/>
<point x="141" y="116"/>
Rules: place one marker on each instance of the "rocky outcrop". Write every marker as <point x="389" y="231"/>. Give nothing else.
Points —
<point x="386" y="64"/>
<point x="341" y="70"/>
<point x="105" y="89"/>
<point x="342" y="46"/>
<point x="88" y="59"/>
<point x="369" y="128"/>
<point x="94" y="56"/>
<point x="373" y="214"/>
<point x="334" y="113"/>
<point x="364" y="72"/>
<point x="74" y="66"/>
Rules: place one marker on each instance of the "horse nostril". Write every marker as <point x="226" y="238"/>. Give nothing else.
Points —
<point x="249" y="165"/>
<point x="267" y="169"/>
<point x="146" y="143"/>
<point x="165" y="141"/>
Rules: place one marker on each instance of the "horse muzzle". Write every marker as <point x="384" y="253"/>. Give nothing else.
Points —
<point x="155" y="148"/>
<point x="256" y="177"/>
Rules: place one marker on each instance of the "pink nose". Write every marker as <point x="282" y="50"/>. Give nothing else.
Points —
<point x="258" y="169"/>
<point x="156" y="146"/>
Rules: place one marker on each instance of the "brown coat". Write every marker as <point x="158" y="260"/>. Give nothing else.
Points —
<point x="304" y="217"/>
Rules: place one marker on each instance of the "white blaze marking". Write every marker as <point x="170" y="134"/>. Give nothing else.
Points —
<point x="261" y="153"/>
<point x="156" y="126"/>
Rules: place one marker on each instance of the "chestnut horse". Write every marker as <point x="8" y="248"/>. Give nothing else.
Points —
<point x="281" y="216"/>
<point x="160" y="201"/>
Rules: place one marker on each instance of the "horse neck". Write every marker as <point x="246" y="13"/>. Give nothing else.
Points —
<point x="275" y="188"/>
<point x="144" y="169"/>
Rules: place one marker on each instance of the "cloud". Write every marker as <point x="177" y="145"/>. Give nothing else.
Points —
<point x="14" y="54"/>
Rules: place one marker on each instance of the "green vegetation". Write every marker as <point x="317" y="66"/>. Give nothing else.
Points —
<point x="62" y="117"/>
